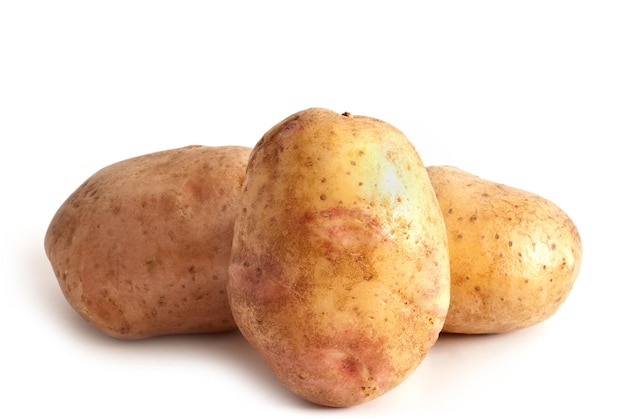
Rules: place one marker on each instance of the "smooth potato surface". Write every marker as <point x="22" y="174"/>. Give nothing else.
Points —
<point x="142" y="247"/>
<point x="339" y="272"/>
<point x="514" y="255"/>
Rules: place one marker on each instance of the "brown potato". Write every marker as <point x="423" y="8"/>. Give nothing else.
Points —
<point x="514" y="256"/>
<point x="142" y="247"/>
<point x="339" y="271"/>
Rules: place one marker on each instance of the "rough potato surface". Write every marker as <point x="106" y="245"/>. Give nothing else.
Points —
<point x="142" y="247"/>
<point x="514" y="255"/>
<point x="339" y="272"/>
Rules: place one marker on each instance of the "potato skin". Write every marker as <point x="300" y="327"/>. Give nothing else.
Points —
<point x="514" y="255"/>
<point x="339" y="271"/>
<point x="142" y="247"/>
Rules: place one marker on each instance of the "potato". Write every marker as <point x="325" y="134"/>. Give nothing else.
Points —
<point x="142" y="247"/>
<point x="339" y="272"/>
<point x="514" y="255"/>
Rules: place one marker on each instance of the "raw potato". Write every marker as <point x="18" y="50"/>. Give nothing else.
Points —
<point x="514" y="255"/>
<point x="339" y="272"/>
<point x="142" y="247"/>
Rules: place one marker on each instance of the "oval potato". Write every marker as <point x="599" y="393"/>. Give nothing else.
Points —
<point x="514" y="255"/>
<point x="142" y="247"/>
<point x="339" y="271"/>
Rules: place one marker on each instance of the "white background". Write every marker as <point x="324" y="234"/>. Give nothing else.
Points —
<point x="531" y="94"/>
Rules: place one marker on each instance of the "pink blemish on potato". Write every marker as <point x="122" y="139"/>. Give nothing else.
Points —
<point x="344" y="370"/>
<point x="339" y="229"/>
<point x="259" y="277"/>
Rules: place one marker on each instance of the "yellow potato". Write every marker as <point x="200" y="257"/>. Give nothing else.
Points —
<point x="514" y="255"/>
<point x="339" y="271"/>
<point x="142" y="247"/>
